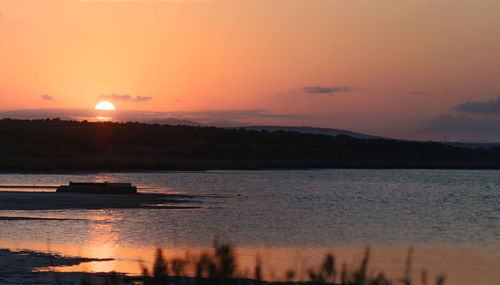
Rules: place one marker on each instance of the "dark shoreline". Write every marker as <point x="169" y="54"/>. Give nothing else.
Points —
<point x="57" y="146"/>
<point x="200" y="170"/>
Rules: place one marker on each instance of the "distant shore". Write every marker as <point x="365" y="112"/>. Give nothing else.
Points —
<point x="58" y="146"/>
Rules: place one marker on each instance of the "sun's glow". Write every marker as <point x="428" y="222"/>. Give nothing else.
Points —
<point x="105" y="105"/>
<point x="100" y="118"/>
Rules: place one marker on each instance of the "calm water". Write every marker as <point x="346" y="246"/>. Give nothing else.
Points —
<point x="282" y="209"/>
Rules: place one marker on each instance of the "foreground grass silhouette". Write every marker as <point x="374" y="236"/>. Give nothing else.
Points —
<point x="216" y="266"/>
<point x="220" y="267"/>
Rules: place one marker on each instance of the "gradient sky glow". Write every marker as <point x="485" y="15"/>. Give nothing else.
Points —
<point x="386" y="67"/>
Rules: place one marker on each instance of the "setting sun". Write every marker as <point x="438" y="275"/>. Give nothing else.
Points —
<point x="105" y="105"/>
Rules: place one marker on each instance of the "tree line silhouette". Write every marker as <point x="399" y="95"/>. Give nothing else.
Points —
<point x="59" y="145"/>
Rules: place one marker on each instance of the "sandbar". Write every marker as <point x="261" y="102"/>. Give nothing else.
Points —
<point x="13" y="200"/>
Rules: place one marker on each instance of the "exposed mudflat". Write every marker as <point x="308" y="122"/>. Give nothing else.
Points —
<point x="23" y="267"/>
<point x="11" y="200"/>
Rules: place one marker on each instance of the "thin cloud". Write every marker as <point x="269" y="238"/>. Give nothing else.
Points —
<point x="142" y="99"/>
<point x="485" y="107"/>
<point x="116" y="97"/>
<point x="47" y="97"/>
<point x="327" y="90"/>
<point x="125" y="97"/>
<point x="204" y="117"/>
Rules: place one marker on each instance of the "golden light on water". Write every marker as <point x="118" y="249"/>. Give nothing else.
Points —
<point x="105" y="106"/>
<point x="103" y="243"/>
<point x="481" y="263"/>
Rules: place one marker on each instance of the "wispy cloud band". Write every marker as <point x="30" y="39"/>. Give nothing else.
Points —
<point x="125" y="97"/>
<point x="147" y="116"/>
<point x="327" y="90"/>
<point x="485" y="107"/>
<point x="47" y="97"/>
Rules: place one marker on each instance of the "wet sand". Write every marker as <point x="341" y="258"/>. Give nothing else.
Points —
<point x="11" y="200"/>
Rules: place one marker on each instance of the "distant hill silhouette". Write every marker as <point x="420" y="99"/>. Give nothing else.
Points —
<point x="312" y="130"/>
<point x="175" y="122"/>
<point x="485" y="145"/>
<point x="58" y="145"/>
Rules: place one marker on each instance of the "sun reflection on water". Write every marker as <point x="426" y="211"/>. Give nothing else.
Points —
<point x="103" y="177"/>
<point x="103" y="242"/>
<point x="481" y="263"/>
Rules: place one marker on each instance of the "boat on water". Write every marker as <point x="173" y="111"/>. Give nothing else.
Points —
<point x="98" y="188"/>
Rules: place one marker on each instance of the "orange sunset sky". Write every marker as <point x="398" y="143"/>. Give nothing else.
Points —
<point x="416" y="69"/>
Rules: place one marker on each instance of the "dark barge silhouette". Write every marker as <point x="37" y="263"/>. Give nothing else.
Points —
<point x="98" y="188"/>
